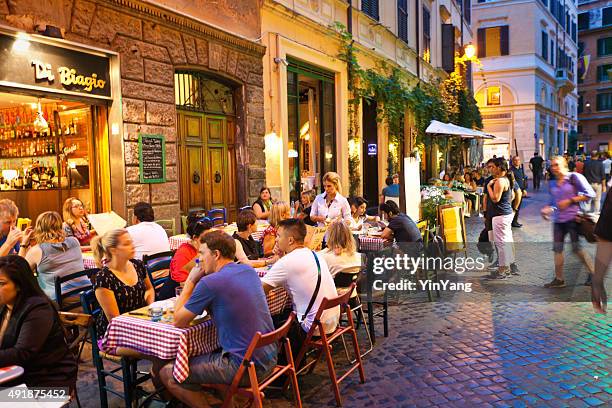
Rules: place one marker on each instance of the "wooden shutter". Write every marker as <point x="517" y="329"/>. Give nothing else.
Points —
<point x="481" y="35"/>
<point x="448" y="47"/>
<point x="544" y="45"/>
<point x="504" y="39"/>
<point x="370" y="7"/>
<point x="402" y="20"/>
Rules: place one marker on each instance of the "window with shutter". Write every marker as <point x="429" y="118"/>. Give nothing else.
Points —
<point x="604" y="101"/>
<point x="583" y="21"/>
<point x="402" y="20"/>
<point x="481" y="38"/>
<point x="544" y="46"/>
<point x="602" y="72"/>
<point x="448" y="47"/>
<point x="604" y="46"/>
<point x="505" y="40"/>
<point x="370" y="7"/>
<point x="426" y="35"/>
<point x="606" y="16"/>
<point x="604" y="128"/>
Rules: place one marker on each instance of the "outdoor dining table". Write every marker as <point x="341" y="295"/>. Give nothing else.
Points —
<point x="177" y="240"/>
<point x="161" y="339"/>
<point x="10" y="373"/>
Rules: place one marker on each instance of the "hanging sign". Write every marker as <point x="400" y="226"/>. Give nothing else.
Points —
<point x="372" y="149"/>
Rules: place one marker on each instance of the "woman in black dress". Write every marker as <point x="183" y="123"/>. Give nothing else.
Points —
<point x="122" y="285"/>
<point x="31" y="335"/>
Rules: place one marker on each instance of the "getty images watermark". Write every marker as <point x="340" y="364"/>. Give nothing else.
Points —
<point x="384" y="268"/>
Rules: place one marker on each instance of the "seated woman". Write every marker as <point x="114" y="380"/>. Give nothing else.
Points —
<point x="75" y="221"/>
<point x="263" y="205"/>
<point x="31" y="334"/>
<point x="122" y="285"/>
<point x="340" y="252"/>
<point x="54" y="254"/>
<point x="184" y="258"/>
<point x="358" y="214"/>
<point x="247" y="249"/>
<point x="447" y="180"/>
<point x="280" y="211"/>
<point x="303" y="207"/>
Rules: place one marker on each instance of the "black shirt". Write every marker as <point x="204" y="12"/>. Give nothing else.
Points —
<point x="536" y="162"/>
<point x="603" y="229"/>
<point x="594" y="171"/>
<point x="519" y="176"/>
<point x="250" y="247"/>
<point x="404" y="229"/>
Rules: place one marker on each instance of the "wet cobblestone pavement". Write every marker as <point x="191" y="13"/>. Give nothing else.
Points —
<point x="479" y="349"/>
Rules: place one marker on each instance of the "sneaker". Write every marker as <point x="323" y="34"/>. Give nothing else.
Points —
<point x="555" y="283"/>
<point x="497" y="275"/>
<point x="516" y="225"/>
<point x="514" y="270"/>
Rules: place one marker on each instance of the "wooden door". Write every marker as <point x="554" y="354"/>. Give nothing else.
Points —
<point x="207" y="162"/>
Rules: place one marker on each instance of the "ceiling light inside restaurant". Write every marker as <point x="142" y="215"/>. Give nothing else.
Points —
<point x="22" y="43"/>
<point x="292" y="153"/>
<point x="40" y="124"/>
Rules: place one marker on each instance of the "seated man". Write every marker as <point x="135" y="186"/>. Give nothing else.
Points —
<point x="233" y="296"/>
<point x="402" y="228"/>
<point x="9" y="234"/>
<point x="298" y="271"/>
<point x="147" y="236"/>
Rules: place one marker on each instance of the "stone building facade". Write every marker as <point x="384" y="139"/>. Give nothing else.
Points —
<point x="152" y="41"/>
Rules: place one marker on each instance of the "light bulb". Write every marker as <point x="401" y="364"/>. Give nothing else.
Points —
<point x="40" y="124"/>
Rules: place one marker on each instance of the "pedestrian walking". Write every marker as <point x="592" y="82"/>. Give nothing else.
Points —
<point x="499" y="204"/>
<point x="603" y="256"/>
<point x="607" y="163"/>
<point x="520" y="191"/>
<point x="566" y="192"/>
<point x="595" y="174"/>
<point x="535" y="165"/>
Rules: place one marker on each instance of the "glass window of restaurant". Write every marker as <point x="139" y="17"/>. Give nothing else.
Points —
<point x="312" y="126"/>
<point x="53" y="144"/>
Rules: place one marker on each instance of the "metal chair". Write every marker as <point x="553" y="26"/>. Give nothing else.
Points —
<point x="168" y="225"/>
<point x="130" y="377"/>
<point x="255" y="391"/>
<point x="322" y="344"/>
<point x="158" y="268"/>
<point x="77" y="326"/>
<point x="218" y="216"/>
<point x="343" y="281"/>
<point x="69" y="299"/>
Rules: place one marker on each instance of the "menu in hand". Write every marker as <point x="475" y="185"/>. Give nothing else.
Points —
<point x="105" y="222"/>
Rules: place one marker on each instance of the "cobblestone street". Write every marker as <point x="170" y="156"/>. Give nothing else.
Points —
<point x="478" y="349"/>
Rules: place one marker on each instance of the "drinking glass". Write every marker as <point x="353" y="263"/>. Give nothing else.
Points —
<point x="156" y="313"/>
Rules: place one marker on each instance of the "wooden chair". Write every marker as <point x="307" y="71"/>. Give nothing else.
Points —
<point x="343" y="281"/>
<point x="76" y="326"/>
<point x="23" y="223"/>
<point x="255" y="391"/>
<point x="218" y="216"/>
<point x="318" y="340"/>
<point x="130" y="377"/>
<point x="69" y="299"/>
<point x="184" y="223"/>
<point x="168" y="225"/>
<point x="158" y="268"/>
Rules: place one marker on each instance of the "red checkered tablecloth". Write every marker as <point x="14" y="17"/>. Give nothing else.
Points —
<point x="10" y="373"/>
<point x="88" y="261"/>
<point x="367" y="243"/>
<point x="167" y="342"/>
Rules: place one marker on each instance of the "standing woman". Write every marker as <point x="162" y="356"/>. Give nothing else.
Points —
<point x="75" y="221"/>
<point x="330" y="205"/>
<point x="263" y="205"/>
<point x="122" y="285"/>
<point x="31" y="335"/>
<point x="500" y="194"/>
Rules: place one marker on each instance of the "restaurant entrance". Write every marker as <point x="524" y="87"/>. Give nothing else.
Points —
<point x="206" y="143"/>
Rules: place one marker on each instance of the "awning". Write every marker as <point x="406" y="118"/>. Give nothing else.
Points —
<point x="449" y="129"/>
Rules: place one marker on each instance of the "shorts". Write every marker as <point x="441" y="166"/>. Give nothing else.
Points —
<point x="218" y="367"/>
<point x="560" y="230"/>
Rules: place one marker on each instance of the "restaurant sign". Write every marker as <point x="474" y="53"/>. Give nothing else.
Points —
<point x="27" y="63"/>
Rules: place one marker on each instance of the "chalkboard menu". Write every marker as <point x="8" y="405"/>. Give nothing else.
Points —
<point x="152" y="158"/>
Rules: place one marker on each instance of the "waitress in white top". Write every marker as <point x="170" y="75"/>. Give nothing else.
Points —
<point x="330" y="205"/>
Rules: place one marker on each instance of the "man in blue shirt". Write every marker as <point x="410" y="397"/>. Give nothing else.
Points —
<point x="233" y="295"/>
<point x="9" y="235"/>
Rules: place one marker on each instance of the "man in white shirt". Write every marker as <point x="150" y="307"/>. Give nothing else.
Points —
<point x="148" y="237"/>
<point x="297" y="272"/>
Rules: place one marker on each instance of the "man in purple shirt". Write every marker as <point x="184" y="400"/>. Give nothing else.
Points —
<point x="566" y="192"/>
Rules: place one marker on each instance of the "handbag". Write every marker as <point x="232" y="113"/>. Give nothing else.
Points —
<point x="586" y="227"/>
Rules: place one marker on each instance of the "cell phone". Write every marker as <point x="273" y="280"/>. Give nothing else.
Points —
<point x="24" y="227"/>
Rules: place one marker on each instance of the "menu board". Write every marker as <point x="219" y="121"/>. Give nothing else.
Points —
<point x="152" y="158"/>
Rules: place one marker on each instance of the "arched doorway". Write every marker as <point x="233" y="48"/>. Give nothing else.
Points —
<point x="206" y="128"/>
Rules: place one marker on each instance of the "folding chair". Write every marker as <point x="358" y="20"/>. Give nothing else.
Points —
<point x="424" y="230"/>
<point x="77" y="326"/>
<point x="130" y="377"/>
<point x="255" y="391"/>
<point x="218" y="216"/>
<point x="168" y="225"/>
<point x="321" y="342"/>
<point x="158" y="268"/>
<point x="69" y="299"/>
<point x="343" y="281"/>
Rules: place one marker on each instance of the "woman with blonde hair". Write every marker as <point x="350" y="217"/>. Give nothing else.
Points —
<point x="122" y="285"/>
<point x="280" y="211"/>
<point x="341" y="252"/>
<point x="75" y="221"/>
<point x="54" y="254"/>
<point x="330" y="205"/>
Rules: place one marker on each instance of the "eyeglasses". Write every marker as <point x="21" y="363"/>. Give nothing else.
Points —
<point x="78" y="206"/>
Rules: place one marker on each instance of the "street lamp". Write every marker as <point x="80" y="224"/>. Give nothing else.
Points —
<point x="469" y="51"/>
